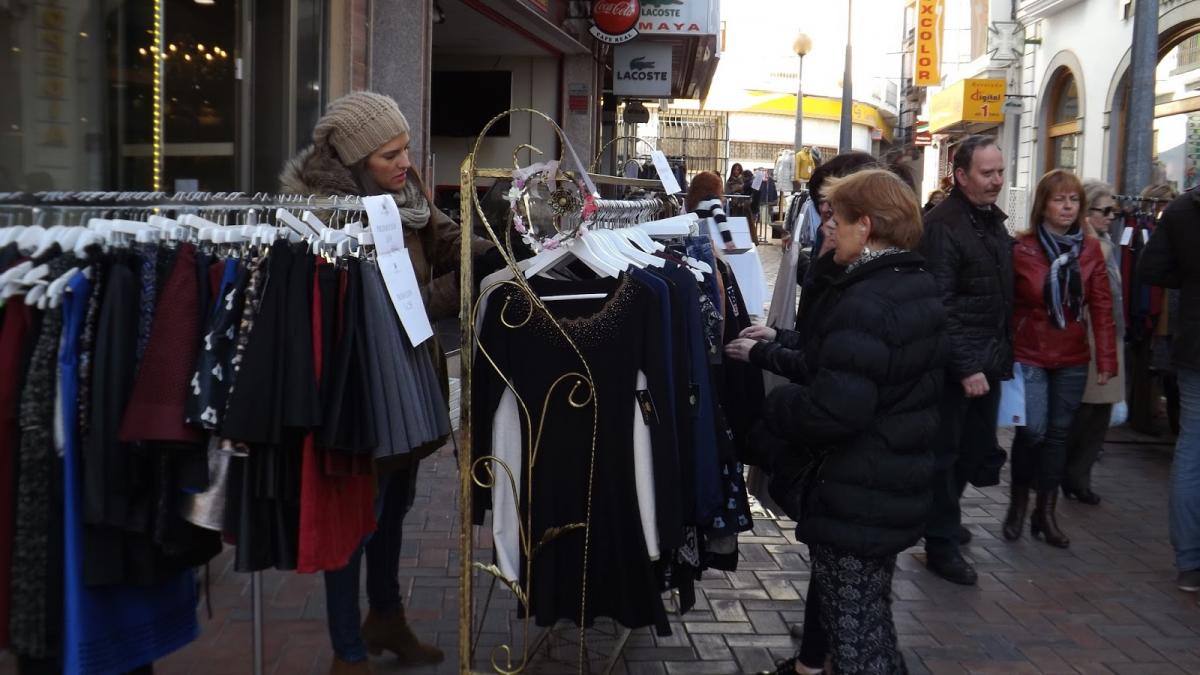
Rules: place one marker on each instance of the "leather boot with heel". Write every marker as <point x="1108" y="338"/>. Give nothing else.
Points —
<point x="1044" y="523"/>
<point x="391" y="632"/>
<point x="1018" y="506"/>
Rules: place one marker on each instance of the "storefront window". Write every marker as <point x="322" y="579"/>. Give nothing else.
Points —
<point x="1063" y="123"/>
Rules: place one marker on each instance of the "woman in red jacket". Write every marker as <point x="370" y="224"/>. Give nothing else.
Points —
<point x="1060" y="281"/>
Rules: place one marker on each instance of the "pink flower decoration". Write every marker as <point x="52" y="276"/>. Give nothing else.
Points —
<point x="589" y="206"/>
<point x="551" y="244"/>
<point x="520" y="183"/>
<point x="519" y="224"/>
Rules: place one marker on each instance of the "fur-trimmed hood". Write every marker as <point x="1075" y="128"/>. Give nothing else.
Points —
<point x="317" y="171"/>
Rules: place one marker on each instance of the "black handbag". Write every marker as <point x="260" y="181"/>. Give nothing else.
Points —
<point x="987" y="473"/>
<point x="792" y="482"/>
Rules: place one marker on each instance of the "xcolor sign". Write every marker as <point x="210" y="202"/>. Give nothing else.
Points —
<point x="615" y="21"/>
<point x="927" y="71"/>
<point x="642" y="69"/>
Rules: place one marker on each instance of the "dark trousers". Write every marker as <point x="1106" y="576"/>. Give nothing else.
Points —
<point x="383" y="569"/>
<point x="855" y="601"/>
<point x="966" y="435"/>
<point x="1084" y="443"/>
<point x="814" y="644"/>
<point x="1039" y="453"/>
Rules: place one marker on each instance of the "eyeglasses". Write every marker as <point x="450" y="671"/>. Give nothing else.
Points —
<point x="1108" y="211"/>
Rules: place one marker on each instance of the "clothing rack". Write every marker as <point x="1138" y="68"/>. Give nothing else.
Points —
<point x="81" y="202"/>
<point x="606" y="211"/>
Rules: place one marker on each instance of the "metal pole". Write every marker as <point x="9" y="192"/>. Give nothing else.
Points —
<point x="799" y="108"/>
<point x="847" y="88"/>
<point x="1139" y="123"/>
<point x="256" y="619"/>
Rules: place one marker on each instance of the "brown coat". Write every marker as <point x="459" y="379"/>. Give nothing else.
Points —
<point x="434" y="249"/>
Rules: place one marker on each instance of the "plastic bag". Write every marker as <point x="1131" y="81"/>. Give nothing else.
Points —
<point x="1120" y="413"/>
<point x="1012" y="400"/>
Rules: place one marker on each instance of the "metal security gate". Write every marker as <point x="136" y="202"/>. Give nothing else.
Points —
<point x="698" y="138"/>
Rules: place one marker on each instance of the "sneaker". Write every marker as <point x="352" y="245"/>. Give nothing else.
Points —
<point x="1189" y="581"/>
<point x="951" y="566"/>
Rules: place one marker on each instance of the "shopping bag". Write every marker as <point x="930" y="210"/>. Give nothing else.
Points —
<point x="1120" y="413"/>
<point x="1012" y="400"/>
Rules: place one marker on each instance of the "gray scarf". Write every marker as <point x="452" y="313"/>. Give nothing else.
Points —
<point x="1063" y="289"/>
<point x="413" y="206"/>
<point x="868" y="255"/>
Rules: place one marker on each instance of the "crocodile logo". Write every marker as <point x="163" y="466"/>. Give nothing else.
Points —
<point x="640" y="63"/>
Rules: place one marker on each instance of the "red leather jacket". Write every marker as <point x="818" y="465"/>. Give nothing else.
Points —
<point x="1036" y="340"/>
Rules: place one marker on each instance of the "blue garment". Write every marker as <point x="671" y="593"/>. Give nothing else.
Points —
<point x="1039" y="453"/>
<point x="710" y="497"/>
<point x="663" y="293"/>
<point x="119" y="628"/>
<point x="1185" y="474"/>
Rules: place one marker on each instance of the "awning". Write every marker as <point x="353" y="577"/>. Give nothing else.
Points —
<point x="967" y="103"/>
<point x="821" y="108"/>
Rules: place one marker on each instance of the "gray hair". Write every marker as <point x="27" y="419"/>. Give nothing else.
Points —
<point x="1094" y="189"/>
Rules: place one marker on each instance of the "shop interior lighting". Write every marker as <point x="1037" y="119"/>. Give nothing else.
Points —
<point x="206" y="2"/>
<point x="157" y="139"/>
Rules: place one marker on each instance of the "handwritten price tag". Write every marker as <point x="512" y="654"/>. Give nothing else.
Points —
<point x="397" y="268"/>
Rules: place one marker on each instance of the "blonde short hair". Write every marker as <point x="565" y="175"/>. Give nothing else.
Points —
<point x="885" y="199"/>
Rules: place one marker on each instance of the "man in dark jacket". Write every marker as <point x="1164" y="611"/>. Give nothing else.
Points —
<point x="969" y="252"/>
<point x="1168" y="262"/>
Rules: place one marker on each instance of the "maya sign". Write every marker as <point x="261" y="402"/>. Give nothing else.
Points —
<point x="615" y="21"/>
<point x="641" y="69"/>
<point x="680" y="17"/>
<point x="927" y="70"/>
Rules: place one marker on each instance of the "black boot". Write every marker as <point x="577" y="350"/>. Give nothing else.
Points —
<point x="1018" y="505"/>
<point x="1044" y="524"/>
<point x="947" y="562"/>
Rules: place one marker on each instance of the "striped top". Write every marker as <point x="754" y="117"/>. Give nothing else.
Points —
<point x="710" y="211"/>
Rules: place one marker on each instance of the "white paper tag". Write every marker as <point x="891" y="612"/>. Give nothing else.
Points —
<point x="758" y="179"/>
<point x="1145" y="236"/>
<point x="386" y="227"/>
<point x="670" y="184"/>
<point x="1127" y="236"/>
<point x="396" y="267"/>
<point x="401" y="282"/>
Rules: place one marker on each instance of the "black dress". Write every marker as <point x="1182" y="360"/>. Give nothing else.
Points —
<point x="616" y="337"/>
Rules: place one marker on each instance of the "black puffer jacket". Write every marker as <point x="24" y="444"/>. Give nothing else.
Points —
<point x="875" y="364"/>
<point x="969" y="252"/>
<point x="1169" y="261"/>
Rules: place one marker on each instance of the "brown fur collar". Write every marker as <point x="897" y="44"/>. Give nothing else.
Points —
<point x="317" y="171"/>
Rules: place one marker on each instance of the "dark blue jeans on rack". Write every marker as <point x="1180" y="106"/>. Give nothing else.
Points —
<point x="383" y="569"/>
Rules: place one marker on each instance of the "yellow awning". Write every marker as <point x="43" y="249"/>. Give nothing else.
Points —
<point x="976" y="101"/>
<point x="822" y="108"/>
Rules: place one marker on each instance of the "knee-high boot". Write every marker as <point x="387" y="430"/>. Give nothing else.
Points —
<point x="1018" y="506"/>
<point x="1044" y="523"/>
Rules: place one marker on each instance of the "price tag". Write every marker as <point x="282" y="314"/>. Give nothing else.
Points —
<point x="670" y="184"/>
<point x="1127" y="236"/>
<point x="396" y="267"/>
<point x="386" y="227"/>
<point x="758" y="179"/>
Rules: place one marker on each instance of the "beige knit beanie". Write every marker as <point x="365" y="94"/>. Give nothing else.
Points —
<point x="359" y="123"/>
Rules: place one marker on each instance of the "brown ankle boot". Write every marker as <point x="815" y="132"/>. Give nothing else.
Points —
<point x="1044" y="523"/>
<point x="391" y="632"/>
<point x="1018" y="506"/>
<point x="341" y="667"/>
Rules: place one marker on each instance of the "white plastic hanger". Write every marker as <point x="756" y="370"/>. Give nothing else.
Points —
<point x="10" y="234"/>
<point x="294" y="224"/>
<point x="29" y="239"/>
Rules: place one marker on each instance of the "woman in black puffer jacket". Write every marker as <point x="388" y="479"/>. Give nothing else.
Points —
<point x="865" y="410"/>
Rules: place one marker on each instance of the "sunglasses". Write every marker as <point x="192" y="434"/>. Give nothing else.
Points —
<point x="1108" y="211"/>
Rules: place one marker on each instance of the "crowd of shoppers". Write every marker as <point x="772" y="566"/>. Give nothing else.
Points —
<point x="907" y="327"/>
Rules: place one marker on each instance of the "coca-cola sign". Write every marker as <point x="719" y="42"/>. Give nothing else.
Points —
<point x="615" y="21"/>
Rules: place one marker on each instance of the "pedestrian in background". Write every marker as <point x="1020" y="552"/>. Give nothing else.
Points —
<point x="1060" y="274"/>
<point x="1086" y="438"/>
<point x="936" y="197"/>
<point x="969" y="252"/>
<point x="1169" y="261"/>
<point x="704" y="199"/>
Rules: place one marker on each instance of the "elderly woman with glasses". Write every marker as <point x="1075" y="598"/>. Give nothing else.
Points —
<point x="1086" y="437"/>
<point x="849" y="442"/>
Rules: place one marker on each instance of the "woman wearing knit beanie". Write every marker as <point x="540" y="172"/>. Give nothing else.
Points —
<point x="360" y="147"/>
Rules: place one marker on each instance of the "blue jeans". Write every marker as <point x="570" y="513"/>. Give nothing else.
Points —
<point x="1039" y="453"/>
<point x="1185" y="475"/>
<point x="383" y="569"/>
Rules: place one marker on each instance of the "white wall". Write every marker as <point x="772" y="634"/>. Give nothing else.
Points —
<point x="533" y="86"/>
<point x="1172" y="147"/>
<point x="1099" y="37"/>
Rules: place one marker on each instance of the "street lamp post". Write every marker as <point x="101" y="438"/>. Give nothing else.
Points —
<point x="847" y="88"/>
<point x="802" y="46"/>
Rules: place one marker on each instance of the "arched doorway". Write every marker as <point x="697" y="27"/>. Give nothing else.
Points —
<point x="1177" y="28"/>
<point x="1063" y="123"/>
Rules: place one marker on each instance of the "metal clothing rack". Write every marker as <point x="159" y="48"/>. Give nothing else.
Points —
<point x="471" y="209"/>
<point x="43" y="204"/>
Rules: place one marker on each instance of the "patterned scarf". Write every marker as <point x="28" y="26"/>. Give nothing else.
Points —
<point x="868" y="255"/>
<point x="411" y="201"/>
<point x="1064" y="284"/>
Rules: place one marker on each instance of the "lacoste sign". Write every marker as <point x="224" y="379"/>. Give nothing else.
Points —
<point x="679" y="17"/>
<point x="642" y="70"/>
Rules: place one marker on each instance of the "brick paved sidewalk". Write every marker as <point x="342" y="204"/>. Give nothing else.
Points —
<point x="1106" y="605"/>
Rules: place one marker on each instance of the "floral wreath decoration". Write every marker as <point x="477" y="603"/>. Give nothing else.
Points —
<point x="561" y="201"/>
